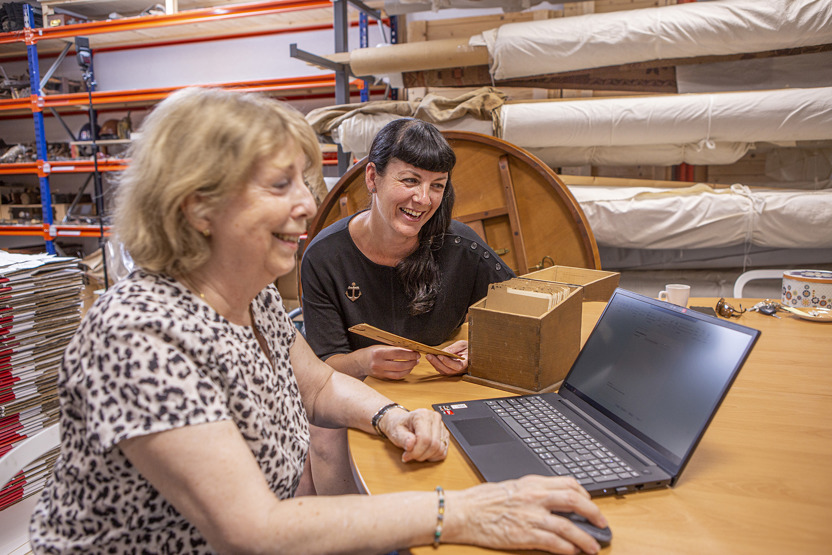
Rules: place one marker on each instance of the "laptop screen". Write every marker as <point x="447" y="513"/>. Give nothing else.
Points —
<point x="659" y="371"/>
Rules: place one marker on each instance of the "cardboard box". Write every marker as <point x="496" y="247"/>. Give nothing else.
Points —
<point x="521" y="353"/>
<point x="58" y="19"/>
<point x="598" y="285"/>
<point x="59" y="210"/>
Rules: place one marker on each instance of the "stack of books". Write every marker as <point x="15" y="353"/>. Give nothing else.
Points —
<point x="40" y="309"/>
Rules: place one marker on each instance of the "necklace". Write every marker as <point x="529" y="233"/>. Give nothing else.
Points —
<point x="189" y="284"/>
<point x="221" y="308"/>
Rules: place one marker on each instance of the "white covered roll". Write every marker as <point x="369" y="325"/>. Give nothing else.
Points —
<point x="782" y="115"/>
<point x="700" y="217"/>
<point x="721" y="27"/>
<point x="644" y="155"/>
<point x="356" y="134"/>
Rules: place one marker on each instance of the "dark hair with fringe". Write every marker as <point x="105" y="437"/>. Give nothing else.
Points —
<point x="419" y="144"/>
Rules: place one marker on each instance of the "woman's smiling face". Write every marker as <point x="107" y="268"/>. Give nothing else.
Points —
<point x="406" y="197"/>
<point x="257" y="231"/>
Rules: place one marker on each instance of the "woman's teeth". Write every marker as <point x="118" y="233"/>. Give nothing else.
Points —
<point x="290" y="238"/>
<point x="411" y="213"/>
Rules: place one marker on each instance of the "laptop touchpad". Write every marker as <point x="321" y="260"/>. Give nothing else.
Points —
<point x="482" y="431"/>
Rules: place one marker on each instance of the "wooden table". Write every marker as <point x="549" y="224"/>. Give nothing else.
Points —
<point x="759" y="482"/>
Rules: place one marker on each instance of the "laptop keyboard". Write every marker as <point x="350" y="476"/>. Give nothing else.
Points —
<point x="568" y="450"/>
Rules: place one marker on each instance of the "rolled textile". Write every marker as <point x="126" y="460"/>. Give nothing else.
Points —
<point x="353" y="126"/>
<point x="356" y="134"/>
<point x="417" y="56"/>
<point x="688" y="30"/>
<point x="701" y="217"/>
<point x="646" y="155"/>
<point x="782" y="115"/>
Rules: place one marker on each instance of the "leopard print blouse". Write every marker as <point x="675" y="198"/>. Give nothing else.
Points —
<point x="150" y="356"/>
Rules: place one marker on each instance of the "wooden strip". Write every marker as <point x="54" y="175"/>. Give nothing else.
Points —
<point x="653" y="80"/>
<point x="343" y="204"/>
<point x="585" y="180"/>
<point x="397" y="341"/>
<point x="479" y="216"/>
<point x="513" y="217"/>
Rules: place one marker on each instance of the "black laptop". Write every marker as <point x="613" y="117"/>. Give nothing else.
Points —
<point x="629" y="414"/>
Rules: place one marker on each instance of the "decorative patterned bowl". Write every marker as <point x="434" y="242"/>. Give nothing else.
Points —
<point x="807" y="288"/>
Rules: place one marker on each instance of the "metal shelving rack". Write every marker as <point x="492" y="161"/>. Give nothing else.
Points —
<point x="342" y="70"/>
<point x="317" y="86"/>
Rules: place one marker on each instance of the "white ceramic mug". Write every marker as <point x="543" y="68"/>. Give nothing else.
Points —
<point x="675" y="293"/>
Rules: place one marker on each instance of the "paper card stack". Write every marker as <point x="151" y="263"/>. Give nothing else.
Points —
<point x="525" y="297"/>
<point x="40" y="309"/>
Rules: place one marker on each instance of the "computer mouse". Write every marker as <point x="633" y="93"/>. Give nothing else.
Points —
<point x="602" y="535"/>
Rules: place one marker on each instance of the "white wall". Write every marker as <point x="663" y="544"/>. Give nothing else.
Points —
<point x="247" y="59"/>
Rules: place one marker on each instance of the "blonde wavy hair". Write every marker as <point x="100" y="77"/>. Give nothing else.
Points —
<point x="204" y="140"/>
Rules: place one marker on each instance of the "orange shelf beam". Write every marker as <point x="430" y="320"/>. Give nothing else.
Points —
<point x="22" y="230"/>
<point x="233" y="11"/>
<point x="19" y="169"/>
<point x="73" y="231"/>
<point x="156" y="94"/>
<point x="43" y="231"/>
<point x="63" y="166"/>
<point x="99" y="98"/>
<point x="87" y="166"/>
<point x="16" y="104"/>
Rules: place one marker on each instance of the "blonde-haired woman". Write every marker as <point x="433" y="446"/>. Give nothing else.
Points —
<point x="186" y="394"/>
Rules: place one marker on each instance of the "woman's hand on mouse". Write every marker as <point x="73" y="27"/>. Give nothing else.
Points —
<point x="448" y="366"/>
<point x="517" y="514"/>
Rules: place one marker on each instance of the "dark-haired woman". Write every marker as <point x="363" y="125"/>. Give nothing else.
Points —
<point x="402" y="265"/>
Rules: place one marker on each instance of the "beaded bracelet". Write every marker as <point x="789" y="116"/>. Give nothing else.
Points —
<point x="381" y="412"/>
<point x="440" y="517"/>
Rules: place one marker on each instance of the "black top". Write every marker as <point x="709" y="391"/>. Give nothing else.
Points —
<point x="342" y="287"/>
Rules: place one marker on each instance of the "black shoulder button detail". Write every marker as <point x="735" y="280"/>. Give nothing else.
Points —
<point x="473" y="245"/>
<point x="498" y="266"/>
<point x="457" y="239"/>
<point x="486" y="254"/>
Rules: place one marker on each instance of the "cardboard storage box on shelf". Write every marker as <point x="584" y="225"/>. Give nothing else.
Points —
<point x="598" y="285"/>
<point x="519" y="352"/>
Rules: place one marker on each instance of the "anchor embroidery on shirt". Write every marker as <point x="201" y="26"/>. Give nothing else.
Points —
<point x="353" y="292"/>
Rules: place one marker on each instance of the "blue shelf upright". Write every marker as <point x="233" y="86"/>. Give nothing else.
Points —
<point x="37" y="116"/>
